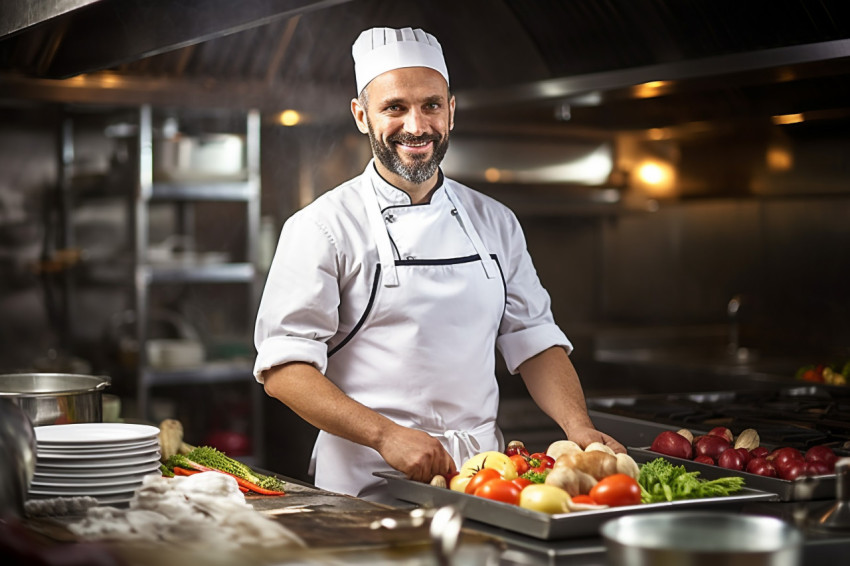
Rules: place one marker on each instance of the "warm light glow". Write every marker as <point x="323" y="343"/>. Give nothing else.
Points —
<point x="658" y="134"/>
<point x="779" y="158"/>
<point x="786" y="119"/>
<point x="651" y="89"/>
<point x="289" y="118"/>
<point x="786" y="75"/>
<point x="109" y="81"/>
<point x="651" y="173"/>
<point x="656" y="177"/>
<point x="492" y="175"/>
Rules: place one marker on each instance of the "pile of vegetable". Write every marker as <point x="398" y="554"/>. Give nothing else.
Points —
<point x="567" y="478"/>
<point x="836" y="373"/>
<point x="181" y="459"/>
<point x="662" y="481"/>
<point x="208" y="459"/>
<point x="744" y="453"/>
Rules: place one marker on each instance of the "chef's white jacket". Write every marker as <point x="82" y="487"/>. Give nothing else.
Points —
<point x="321" y="278"/>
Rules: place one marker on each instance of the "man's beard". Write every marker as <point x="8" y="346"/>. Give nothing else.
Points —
<point x="422" y="168"/>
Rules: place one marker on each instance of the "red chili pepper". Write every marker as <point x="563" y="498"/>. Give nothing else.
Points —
<point x="253" y="487"/>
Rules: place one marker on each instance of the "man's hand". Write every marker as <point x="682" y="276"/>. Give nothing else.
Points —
<point x="587" y="434"/>
<point x="417" y="454"/>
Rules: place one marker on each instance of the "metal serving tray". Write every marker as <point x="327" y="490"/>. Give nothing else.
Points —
<point x="802" y="489"/>
<point x="543" y="526"/>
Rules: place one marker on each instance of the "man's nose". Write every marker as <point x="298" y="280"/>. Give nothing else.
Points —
<point x="415" y="122"/>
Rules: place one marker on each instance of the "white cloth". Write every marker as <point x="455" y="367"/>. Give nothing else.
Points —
<point x="204" y="512"/>
<point x="416" y="346"/>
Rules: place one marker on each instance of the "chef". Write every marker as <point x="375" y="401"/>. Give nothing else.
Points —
<point x="388" y="296"/>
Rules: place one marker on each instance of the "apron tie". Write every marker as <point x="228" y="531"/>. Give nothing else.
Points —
<point x="459" y="440"/>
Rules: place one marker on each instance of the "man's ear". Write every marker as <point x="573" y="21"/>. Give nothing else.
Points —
<point x="359" y="113"/>
<point x="452" y="113"/>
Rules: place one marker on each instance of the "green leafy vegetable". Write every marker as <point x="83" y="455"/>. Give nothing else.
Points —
<point x="536" y="477"/>
<point x="662" y="481"/>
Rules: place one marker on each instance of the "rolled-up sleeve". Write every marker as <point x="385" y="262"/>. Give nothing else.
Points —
<point x="527" y="327"/>
<point x="298" y="309"/>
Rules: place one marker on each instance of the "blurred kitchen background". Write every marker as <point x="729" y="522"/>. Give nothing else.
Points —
<point x="681" y="170"/>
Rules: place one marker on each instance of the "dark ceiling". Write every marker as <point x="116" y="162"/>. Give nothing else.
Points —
<point x="558" y="65"/>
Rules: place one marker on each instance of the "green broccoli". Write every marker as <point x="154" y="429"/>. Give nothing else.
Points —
<point x="208" y="457"/>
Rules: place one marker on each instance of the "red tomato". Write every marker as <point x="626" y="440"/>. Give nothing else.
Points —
<point x="584" y="499"/>
<point x="616" y="490"/>
<point x="815" y="375"/>
<point x="520" y="463"/>
<point x="480" y="478"/>
<point x="544" y="460"/>
<point x="499" y="490"/>
<point x="522" y="482"/>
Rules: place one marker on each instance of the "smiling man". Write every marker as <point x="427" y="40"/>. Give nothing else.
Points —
<point x="388" y="296"/>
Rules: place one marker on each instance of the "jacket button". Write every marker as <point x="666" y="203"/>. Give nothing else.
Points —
<point x="389" y="218"/>
<point x="454" y="212"/>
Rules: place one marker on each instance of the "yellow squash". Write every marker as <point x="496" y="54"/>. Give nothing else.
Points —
<point x="491" y="459"/>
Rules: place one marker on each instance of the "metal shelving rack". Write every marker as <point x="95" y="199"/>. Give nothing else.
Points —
<point x="147" y="275"/>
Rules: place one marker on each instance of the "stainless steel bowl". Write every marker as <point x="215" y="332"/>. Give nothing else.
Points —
<point x="56" y="398"/>
<point x="18" y="452"/>
<point x="691" y="538"/>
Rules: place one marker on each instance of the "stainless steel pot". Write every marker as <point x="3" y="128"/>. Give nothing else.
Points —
<point x="694" y="538"/>
<point x="56" y="398"/>
<point x="17" y="449"/>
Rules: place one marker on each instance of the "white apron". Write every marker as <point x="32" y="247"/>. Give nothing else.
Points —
<point x="423" y="354"/>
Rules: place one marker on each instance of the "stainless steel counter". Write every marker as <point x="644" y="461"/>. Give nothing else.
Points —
<point x="339" y="529"/>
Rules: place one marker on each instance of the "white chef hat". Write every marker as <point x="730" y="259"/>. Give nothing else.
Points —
<point x="379" y="50"/>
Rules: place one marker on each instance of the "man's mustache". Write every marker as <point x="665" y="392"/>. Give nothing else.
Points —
<point x="410" y="139"/>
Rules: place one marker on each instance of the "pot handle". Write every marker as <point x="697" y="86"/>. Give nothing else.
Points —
<point x="103" y="384"/>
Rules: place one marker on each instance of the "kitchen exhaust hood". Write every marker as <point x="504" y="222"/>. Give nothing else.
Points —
<point x="61" y="38"/>
<point x="584" y="69"/>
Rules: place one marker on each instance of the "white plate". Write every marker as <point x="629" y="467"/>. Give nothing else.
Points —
<point x="42" y="456"/>
<point x="95" y="464"/>
<point x="45" y="473"/>
<point x="94" y="433"/>
<point x="83" y="491"/>
<point x="73" y="482"/>
<point x="50" y="448"/>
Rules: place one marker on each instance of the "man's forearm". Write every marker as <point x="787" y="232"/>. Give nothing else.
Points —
<point x="314" y="398"/>
<point x="554" y="385"/>
<point x="321" y="403"/>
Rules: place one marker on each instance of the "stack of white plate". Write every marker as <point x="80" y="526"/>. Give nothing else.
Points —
<point x="107" y="461"/>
